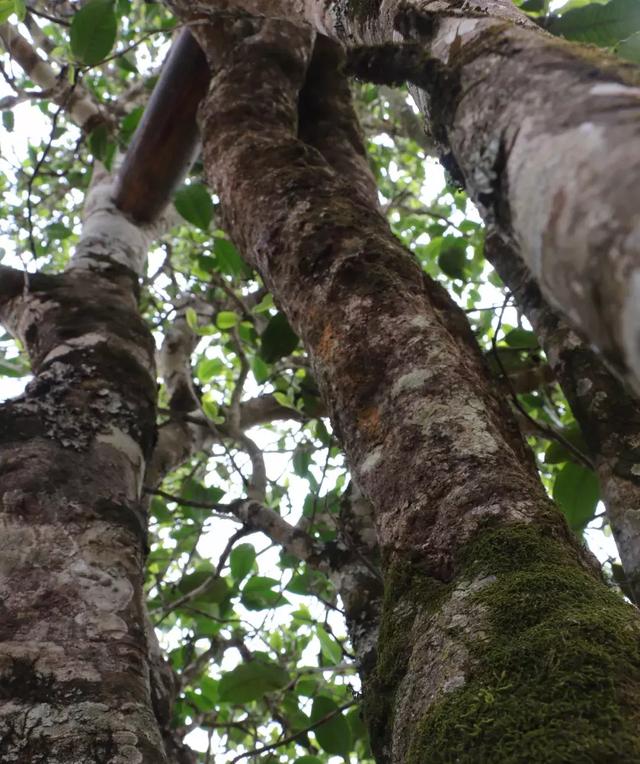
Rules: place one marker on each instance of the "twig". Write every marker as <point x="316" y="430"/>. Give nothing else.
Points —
<point x="38" y="165"/>
<point x="292" y="738"/>
<point x="542" y="428"/>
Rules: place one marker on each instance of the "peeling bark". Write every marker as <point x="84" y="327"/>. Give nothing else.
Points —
<point x="73" y="645"/>
<point x="542" y="133"/>
<point x="483" y="580"/>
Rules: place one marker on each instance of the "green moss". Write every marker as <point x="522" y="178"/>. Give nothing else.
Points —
<point x="405" y="585"/>
<point x="557" y="676"/>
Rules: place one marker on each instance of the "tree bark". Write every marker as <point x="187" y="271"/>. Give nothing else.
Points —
<point x="498" y="641"/>
<point x="608" y="416"/>
<point x="73" y="639"/>
<point x="542" y="133"/>
<point x="165" y="143"/>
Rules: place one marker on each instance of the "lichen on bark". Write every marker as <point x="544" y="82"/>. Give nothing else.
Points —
<point x="73" y="647"/>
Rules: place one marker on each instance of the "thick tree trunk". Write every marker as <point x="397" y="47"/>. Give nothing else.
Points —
<point x="607" y="414"/>
<point x="73" y="645"/>
<point x="544" y="135"/>
<point x="498" y="641"/>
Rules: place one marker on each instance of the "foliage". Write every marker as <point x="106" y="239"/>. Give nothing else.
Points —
<point x="256" y="637"/>
<point x="614" y="24"/>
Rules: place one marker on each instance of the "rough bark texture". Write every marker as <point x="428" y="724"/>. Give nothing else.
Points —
<point x="498" y="641"/>
<point x="608" y="415"/>
<point x="74" y="663"/>
<point x="544" y="135"/>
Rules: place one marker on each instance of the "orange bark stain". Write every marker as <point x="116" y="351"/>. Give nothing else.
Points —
<point x="326" y="344"/>
<point x="369" y="421"/>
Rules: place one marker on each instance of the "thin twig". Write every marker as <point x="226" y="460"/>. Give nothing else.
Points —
<point x="292" y="738"/>
<point x="548" y="432"/>
<point x="41" y="161"/>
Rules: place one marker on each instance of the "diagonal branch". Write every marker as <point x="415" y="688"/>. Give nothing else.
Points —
<point x="79" y="104"/>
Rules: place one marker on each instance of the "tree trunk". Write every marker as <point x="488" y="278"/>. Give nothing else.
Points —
<point x="498" y="640"/>
<point x="73" y="644"/>
<point x="608" y="416"/>
<point x="542" y="133"/>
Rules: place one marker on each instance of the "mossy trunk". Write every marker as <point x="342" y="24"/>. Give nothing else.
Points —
<point x="535" y="659"/>
<point x="496" y="627"/>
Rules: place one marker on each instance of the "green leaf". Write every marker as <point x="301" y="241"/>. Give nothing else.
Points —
<point x="260" y="370"/>
<point x="99" y="142"/>
<point x="194" y="491"/>
<point x="241" y="560"/>
<point x="7" y="7"/>
<point x="308" y="760"/>
<point x="265" y="304"/>
<point x="93" y="31"/>
<point x="334" y="735"/>
<point x="11" y="369"/>
<point x="576" y="490"/>
<point x="216" y="589"/>
<point x="357" y="724"/>
<point x="580" y="4"/>
<point x="603" y="25"/>
<point x="452" y="259"/>
<point x="210" y="408"/>
<point x="194" y="203"/>
<point x="227" y="319"/>
<point x="301" y="460"/>
<point x="192" y="319"/>
<point x="57" y="232"/>
<point x="521" y="338"/>
<point x="283" y="400"/>
<point x="258" y="593"/>
<point x="629" y="49"/>
<point x="203" y="266"/>
<point x="532" y="6"/>
<point x="503" y="359"/>
<point x="130" y="122"/>
<point x="300" y="583"/>
<point x="322" y="433"/>
<point x="20" y="9"/>
<point x="278" y="339"/>
<point x="250" y="681"/>
<point x="557" y="453"/>
<point x="228" y="260"/>
<point x="209" y="688"/>
<point x="8" y="121"/>
<point x="126" y="64"/>
<point x="330" y="648"/>
<point x="208" y="368"/>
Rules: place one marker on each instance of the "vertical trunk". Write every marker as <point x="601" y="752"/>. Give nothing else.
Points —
<point x="543" y="134"/>
<point x="497" y="637"/>
<point x="73" y="650"/>
<point x="607" y="414"/>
